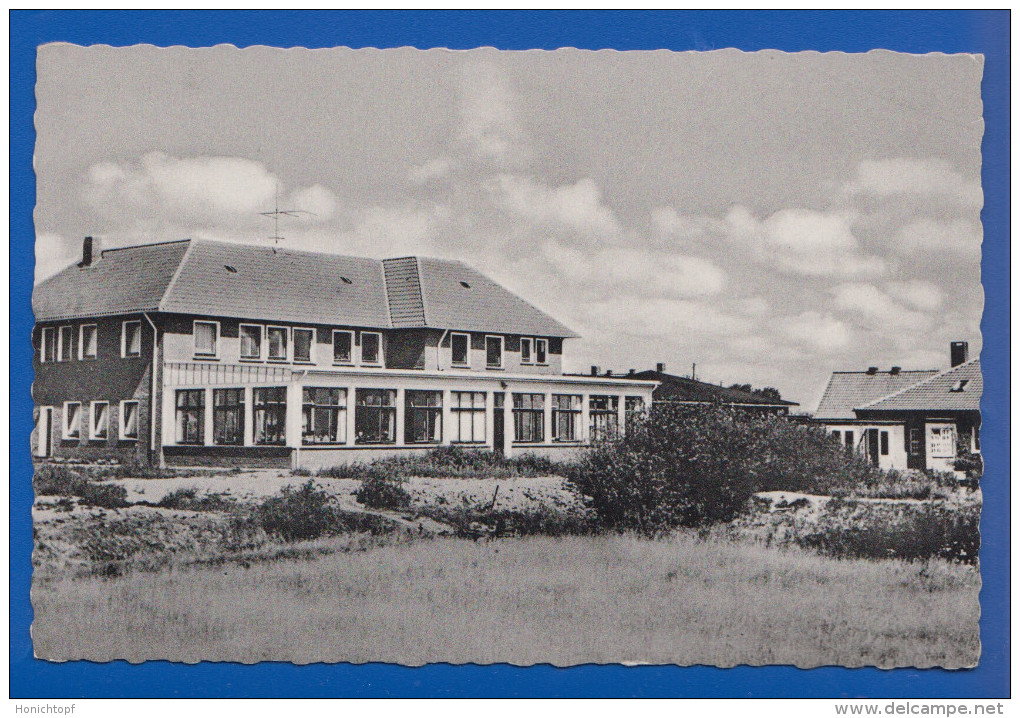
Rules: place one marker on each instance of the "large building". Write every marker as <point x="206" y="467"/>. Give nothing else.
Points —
<point x="907" y="419"/>
<point x="200" y="352"/>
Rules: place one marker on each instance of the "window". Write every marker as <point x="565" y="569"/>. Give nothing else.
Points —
<point x="65" y="347"/>
<point x="529" y="417"/>
<point x="205" y="338"/>
<point x="566" y="417"/>
<point x="48" y="345"/>
<point x="634" y="408"/>
<point x="251" y="341"/>
<point x="342" y="343"/>
<point x="526" y="351"/>
<point x="459" y="344"/>
<point x="370" y="347"/>
<point x="131" y="339"/>
<point x="277" y="339"/>
<point x="494" y="352"/>
<point x="270" y="404"/>
<point x="88" y="338"/>
<point x="72" y="420"/>
<point x="423" y="417"/>
<point x="228" y="417"/>
<point x="323" y="415"/>
<point x="849" y="439"/>
<point x="129" y="420"/>
<point x="915" y="442"/>
<point x="468" y="416"/>
<point x="99" y="420"/>
<point x="303" y="340"/>
<point x="541" y="351"/>
<point x="375" y="416"/>
<point x="191" y="416"/>
<point x="884" y="443"/>
<point x="604" y="416"/>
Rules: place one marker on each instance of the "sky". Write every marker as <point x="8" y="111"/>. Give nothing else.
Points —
<point x="770" y="217"/>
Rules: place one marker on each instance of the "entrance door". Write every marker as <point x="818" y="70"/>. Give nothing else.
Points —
<point x="872" y="439"/>
<point x="498" y="428"/>
<point x="44" y="432"/>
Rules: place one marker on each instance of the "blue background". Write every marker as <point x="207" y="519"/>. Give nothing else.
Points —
<point x="984" y="32"/>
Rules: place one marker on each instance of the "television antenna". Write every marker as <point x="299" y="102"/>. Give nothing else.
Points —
<point x="276" y="213"/>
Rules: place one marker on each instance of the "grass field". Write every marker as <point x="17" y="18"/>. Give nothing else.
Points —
<point x="524" y="600"/>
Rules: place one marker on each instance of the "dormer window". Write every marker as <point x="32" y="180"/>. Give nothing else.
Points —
<point x="961" y="385"/>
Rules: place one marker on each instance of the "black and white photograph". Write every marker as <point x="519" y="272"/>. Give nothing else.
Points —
<point x="485" y="356"/>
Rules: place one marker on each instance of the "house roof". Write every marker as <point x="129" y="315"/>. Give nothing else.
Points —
<point x="255" y="282"/>
<point x="958" y="389"/>
<point x="848" y="390"/>
<point x="682" y="388"/>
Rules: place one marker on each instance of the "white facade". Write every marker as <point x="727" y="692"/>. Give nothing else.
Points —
<point x="865" y="437"/>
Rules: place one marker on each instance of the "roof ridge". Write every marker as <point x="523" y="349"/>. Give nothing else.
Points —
<point x="146" y="244"/>
<point x="917" y="384"/>
<point x="175" y="275"/>
<point x="902" y="371"/>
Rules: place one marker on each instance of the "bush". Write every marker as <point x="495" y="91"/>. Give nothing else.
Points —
<point x="378" y="492"/>
<point x="449" y="462"/>
<point x="541" y="521"/>
<point x="693" y="466"/>
<point x="188" y="500"/>
<point x="50" y="480"/>
<point x="295" y="515"/>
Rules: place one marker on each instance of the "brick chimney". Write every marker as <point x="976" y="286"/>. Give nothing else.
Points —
<point x="90" y="251"/>
<point x="959" y="352"/>
<point x="595" y="369"/>
<point x="895" y="370"/>
<point x="661" y="367"/>
<point x="873" y="370"/>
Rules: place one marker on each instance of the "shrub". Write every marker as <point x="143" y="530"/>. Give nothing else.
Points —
<point x="295" y="515"/>
<point x="379" y="492"/>
<point x="449" y="461"/>
<point x="188" y="500"/>
<point x="971" y="464"/>
<point x="50" y="480"/>
<point x="107" y="496"/>
<point x="541" y="521"/>
<point x="692" y="466"/>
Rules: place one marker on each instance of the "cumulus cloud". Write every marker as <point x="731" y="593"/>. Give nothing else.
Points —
<point x="803" y="241"/>
<point x="490" y="127"/>
<point x="924" y="177"/>
<point x="815" y="331"/>
<point x="955" y="239"/>
<point x="317" y="200"/>
<point x="666" y="317"/>
<point x="578" y="207"/>
<point x="431" y="171"/>
<point x="918" y="293"/>
<point x="877" y="310"/>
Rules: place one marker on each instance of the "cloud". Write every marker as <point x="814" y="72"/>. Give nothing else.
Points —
<point x="955" y="239"/>
<point x="431" y="171"/>
<point x="577" y="206"/>
<point x="919" y="294"/>
<point x="924" y="177"/>
<point x="638" y="316"/>
<point x="53" y="253"/>
<point x="490" y="128"/>
<point x="318" y="200"/>
<point x="815" y="331"/>
<point x="879" y="311"/>
<point x="803" y="241"/>
<point x="635" y="271"/>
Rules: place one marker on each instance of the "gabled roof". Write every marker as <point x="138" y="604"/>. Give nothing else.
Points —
<point x="682" y="388"/>
<point x="958" y="389"/>
<point x="243" y="281"/>
<point x="848" y="390"/>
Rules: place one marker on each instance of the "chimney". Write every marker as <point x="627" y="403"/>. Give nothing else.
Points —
<point x="595" y="369"/>
<point x="959" y="352"/>
<point x="90" y="251"/>
<point x="609" y="372"/>
<point x="631" y="372"/>
<point x="895" y="370"/>
<point x="873" y="370"/>
<point x="661" y="367"/>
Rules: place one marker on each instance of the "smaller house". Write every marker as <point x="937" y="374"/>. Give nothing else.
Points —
<point x="907" y="419"/>
<point x="673" y="389"/>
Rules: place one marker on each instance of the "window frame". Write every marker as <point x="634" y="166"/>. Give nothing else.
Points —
<point x="178" y="439"/>
<point x="218" y="410"/>
<point x="502" y="351"/>
<point x="240" y="341"/>
<point x="883" y="442"/>
<point x="631" y="414"/>
<point x="47" y="339"/>
<point x="216" y="339"/>
<point x="573" y="411"/>
<point x="311" y="344"/>
<point x="339" y="409"/>
<point x="121" y="424"/>
<point x="467" y="349"/>
<point x="379" y="353"/>
<point x="433" y="414"/>
<point x="269" y="344"/>
<point x="537" y="416"/>
<point x="540" y="352"/>
<point x="93" y="434"/>
<point x="458" y="409"/>
<point x="124" y="338"/>
<point x="65" y="426"/>
<point x="349" y="361"/>
<point x="82" y="356"/>
<point x="610" y="415"/>
<point x="276" y="403"/>
<point x="62" y="331"/>
<point x="530" y="359"/>
<point x="379" y="411"/>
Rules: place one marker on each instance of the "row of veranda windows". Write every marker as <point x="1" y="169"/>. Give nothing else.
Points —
<point x="94" y="422"/>
<point x="324" y="416"/>
<point x="81" y="341"/>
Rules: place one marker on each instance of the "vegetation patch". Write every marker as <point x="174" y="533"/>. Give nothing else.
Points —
<point x="309" y="512"/>
<point x="379" y="492"/>
<point x="53" y="480"/>
<point x="449" y="462"/>
<point x="187" y="499"/>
